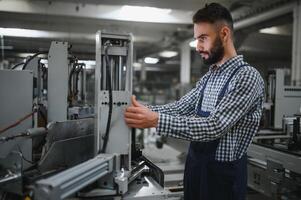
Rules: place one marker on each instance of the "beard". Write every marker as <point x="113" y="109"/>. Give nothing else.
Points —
<point x="215" y="54"/>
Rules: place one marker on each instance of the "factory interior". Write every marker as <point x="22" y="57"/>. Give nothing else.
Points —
<point x="68" y="70"/>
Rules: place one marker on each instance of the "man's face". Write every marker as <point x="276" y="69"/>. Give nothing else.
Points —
<point x="209" y="43"/>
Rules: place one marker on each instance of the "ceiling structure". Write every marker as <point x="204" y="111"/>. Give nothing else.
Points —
<point x="77" y="21"/>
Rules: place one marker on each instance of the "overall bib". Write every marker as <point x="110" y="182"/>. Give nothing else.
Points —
<point x="208" y="179"/>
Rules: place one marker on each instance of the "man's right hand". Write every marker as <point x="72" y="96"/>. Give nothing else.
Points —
<point x="139" y="116"/>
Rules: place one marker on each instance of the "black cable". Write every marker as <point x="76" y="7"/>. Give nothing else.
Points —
<point x="32" y="57"/>
<point x="109" y="82"/>
<point x="30" y="162"/>
<point x="77" y="71"/>
<point x="43" y="116"/>
<point x="70" y="90"/>
<point x="17" y="65"/>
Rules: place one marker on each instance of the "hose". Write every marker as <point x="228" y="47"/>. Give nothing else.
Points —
<point x="109" y="82"/>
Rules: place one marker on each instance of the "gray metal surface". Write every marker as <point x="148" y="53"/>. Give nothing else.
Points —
<point x="61" y="130"/>
<point x="67" y="143"/>
<point x="57" y="81"/>
<point x="287" y="99"/>
<point x="11" y="172"/>
<point x="257" y="178"/>
<point x="120" y="63"/>
<point x="77" y="112"/>
<point x="289" y="162"/>
<point x="16" y="91"/>
<point x="147" y="188"/>
<point x="72" y="180"/>
<point x="119" y="139"/>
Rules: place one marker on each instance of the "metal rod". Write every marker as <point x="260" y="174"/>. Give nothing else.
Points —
<point x="103" y="74"/>
<point x="120" y="73"/>
<point x="2" y="52"/>
<point x="112" y="64"/>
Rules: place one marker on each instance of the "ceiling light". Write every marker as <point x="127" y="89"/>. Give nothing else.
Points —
<point x="18" y="32"/>
<point x="145" y="10"/>
<point x="168" y="54"/>
<point x="89" y="64"/>
<point x="25" y="55"/>
<point x="44" y="61"/>
<point x="193" y="43"/>
<point x="7" y="47"/>
<point x="277" y="30"/>
<point x="144" y="14"/>
<point x="270" y="30"/>
<point x="137" y="66"/>
<point x="150" y="60"/>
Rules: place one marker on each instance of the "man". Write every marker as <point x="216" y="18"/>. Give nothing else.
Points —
<point x="219" y="116"/>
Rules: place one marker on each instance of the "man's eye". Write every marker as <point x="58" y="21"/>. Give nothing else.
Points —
<point x="201" y="39"/>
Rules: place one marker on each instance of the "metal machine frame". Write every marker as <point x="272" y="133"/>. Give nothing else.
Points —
<point x="94" y="157"/>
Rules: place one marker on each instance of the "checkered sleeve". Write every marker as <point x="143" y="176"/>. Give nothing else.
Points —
<point x="248" y="90"/>
<point x="184" y="106"/>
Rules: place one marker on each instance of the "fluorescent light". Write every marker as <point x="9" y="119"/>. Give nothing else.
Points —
<point x="18" y="32"/>
<point x="276" y="30"/>
<point x="150" y="60"/>
<point x="145" y="14"/>
<point x="168" y="54"/>
<point x="193" y="43"/>
<point x="136" y="64"/>
<point x="145" y="10"/>
<point x="7" y="47"/>
<point x="25" y="55"/>
<point x="44" y="61"/>
<point x="90" y="64"/>
<point x="270" y="30"/>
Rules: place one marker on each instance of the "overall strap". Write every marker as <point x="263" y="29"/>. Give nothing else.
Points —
<point x="200" y="112"/>
<point x="224" y="89"/>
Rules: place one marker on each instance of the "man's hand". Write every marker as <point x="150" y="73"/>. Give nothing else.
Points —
<point x="139" y="116"/>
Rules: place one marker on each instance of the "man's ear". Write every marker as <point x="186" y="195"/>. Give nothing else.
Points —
<point x="225" y="34"/>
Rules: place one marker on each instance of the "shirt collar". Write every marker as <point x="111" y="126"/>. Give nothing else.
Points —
<point x="230" y="62"/>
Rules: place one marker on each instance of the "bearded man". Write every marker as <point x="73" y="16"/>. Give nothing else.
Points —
<point x="219" y="116"/>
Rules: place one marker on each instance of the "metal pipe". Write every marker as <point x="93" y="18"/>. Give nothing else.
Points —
<point x="71" y="180"/>
<point x="84" y="84"/>
<point x="285" y="9"/>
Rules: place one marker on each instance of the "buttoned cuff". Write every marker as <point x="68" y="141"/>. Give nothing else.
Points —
<point x="164" y="124"/>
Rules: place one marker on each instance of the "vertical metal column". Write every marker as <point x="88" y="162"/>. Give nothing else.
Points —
<point x="296" y="52"/>
<point x="113" y="51"/>
<point x="2" y="52"/>
<point x="57" y="81"/>
<point x="185" y="63"/>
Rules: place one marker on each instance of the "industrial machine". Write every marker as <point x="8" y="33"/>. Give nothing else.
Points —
<point x="79" y="151"/>
<point x="275" y="154"/>
<point x="282" y="99"/>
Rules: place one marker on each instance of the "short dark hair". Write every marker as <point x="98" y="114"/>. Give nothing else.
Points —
<point x="213" y="13"/>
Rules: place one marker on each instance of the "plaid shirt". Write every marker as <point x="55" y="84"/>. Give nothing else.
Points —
<point x="234" y="120"/>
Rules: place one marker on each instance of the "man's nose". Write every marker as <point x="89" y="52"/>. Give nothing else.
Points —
<point x="198" y="46"/>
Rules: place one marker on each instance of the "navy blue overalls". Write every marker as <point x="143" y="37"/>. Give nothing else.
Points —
<point x="208" y="179"/>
